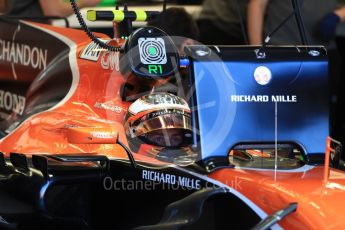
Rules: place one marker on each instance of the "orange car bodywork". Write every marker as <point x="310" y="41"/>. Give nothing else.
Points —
<point x="320" y="203"/>
<point x="94" y="105"/>
<point x="48" y="132"/>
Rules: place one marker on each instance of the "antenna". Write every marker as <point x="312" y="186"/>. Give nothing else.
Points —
<point x="244" y="31"/>
<point x="165" y="3"/>
<point x="275" y="140"/>
<point x="115" y="25"/>
<point x="299" y="21"/>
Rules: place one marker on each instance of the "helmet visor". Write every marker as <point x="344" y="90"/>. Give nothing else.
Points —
<point x="164" y="128"/>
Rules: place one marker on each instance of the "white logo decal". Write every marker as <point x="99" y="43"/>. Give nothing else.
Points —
<point x="152" y="51"/>
<point x="12" y="102"/>
<point x="262" y="75"/>
<point x="107" y="106"/>
<point x="92" y="52"/>
<point x="103" y="135"/>
<point x="171" y="179"/>
<point x="264" y="98"/>
<point x="23" y="54"/>
<point x="111" y="61"/>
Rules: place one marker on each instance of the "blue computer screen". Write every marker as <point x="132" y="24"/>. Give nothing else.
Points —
<point x="258" y="102"/>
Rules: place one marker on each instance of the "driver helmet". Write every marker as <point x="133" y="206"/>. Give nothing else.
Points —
<point x="159" y="119"/>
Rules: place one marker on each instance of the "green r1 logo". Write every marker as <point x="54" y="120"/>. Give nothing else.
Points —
<point x="155" y="69"/>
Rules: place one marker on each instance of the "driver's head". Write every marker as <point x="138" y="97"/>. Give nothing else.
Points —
<point x="167" y="137"/>
<point x="159" y="119"/>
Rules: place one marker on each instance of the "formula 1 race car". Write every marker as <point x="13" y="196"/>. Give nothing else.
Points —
<point x="129" y="134"/>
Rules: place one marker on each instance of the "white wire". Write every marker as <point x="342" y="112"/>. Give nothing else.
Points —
<point x="276" y="140"/>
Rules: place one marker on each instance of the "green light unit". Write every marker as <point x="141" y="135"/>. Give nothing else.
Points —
<point x="152" y="51"/>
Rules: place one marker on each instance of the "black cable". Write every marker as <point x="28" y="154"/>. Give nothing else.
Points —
<point x="297" y="13"/>
<point x="89" y="32"/>
<point x="299" y="21"/>
<point x="280" y="25"/>
<point x="268" y="38"/>
<point x="129" y="153"/>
